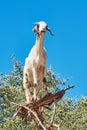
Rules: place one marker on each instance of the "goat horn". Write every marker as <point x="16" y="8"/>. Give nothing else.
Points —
<point x="48" y="29"/>
<point x="36" y="23"/>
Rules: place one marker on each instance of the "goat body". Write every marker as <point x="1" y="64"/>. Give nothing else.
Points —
<point x="35" y="64"/>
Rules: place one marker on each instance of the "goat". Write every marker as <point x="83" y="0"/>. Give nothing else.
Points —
<point x="35" y="64"/>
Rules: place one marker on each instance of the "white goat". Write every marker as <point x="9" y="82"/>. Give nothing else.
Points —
<point x="35" y="64"/>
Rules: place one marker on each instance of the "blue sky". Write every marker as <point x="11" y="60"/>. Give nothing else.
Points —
<point x="66" y="51"/>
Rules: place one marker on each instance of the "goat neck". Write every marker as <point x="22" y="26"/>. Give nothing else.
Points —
<point x="39" y="42"/>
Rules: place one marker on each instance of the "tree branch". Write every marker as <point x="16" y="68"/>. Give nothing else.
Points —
<point x="34" y="109"/>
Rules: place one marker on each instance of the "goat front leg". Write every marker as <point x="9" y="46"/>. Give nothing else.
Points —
<point x="28" y="95"/>
<point x="35" y="83"/>
<point x="44" y="82"/>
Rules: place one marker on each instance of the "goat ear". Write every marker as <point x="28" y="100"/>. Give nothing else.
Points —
<point x="49" y="31"/>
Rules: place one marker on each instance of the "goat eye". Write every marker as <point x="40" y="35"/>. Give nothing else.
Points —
<point x="37" y="25"/>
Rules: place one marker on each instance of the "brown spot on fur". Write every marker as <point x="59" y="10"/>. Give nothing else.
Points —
<point x="44" y="80"/>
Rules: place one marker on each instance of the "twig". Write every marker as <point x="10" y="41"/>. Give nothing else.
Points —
<point x="15" y="104"/>
<point x="69" y="87"/>
<point x="53" y="116"/>
<point x="52" y="119"/>
<point x="55" y="125"/>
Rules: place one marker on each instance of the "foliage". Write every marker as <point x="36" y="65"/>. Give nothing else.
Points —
<point x="70" y="114"/>
<point x="14" y="78"/>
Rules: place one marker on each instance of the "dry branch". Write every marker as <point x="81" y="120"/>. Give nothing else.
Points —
<point x="34" y="109"/>
<point x="50" y="98"/>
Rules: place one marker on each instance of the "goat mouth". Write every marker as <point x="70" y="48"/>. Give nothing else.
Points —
<point x="43" y="31"/>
